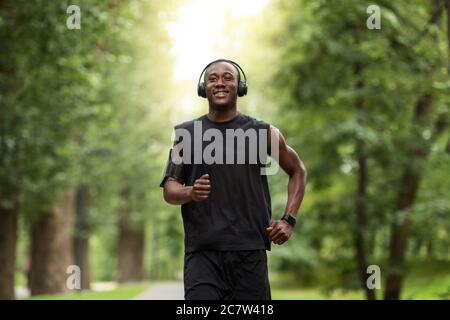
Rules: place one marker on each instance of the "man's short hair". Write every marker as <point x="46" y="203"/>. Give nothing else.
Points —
<point x="235" y="68"/>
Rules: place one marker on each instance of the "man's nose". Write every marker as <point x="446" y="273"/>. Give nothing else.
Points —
<point x="219" y="82"/>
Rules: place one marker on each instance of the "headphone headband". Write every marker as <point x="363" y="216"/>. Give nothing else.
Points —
<point x="242" y="85"/>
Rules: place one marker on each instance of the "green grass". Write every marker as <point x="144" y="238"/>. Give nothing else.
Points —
<point x="315" y="294"/>
<point x="124" y="292"/>
<point x="426" y="288"/>
<point x="424" y="282"/>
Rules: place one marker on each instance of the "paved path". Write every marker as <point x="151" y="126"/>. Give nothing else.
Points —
<point x="22" y="292"/>
<point x="163" y="291"/>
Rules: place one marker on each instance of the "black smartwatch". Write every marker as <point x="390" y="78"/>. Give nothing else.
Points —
<point x="289" y="219"/>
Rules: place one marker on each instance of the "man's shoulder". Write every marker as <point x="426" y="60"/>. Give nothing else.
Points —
<point x="188" y="124"/>
<point x="255" y="121"/>
<point x="243" y="119"/>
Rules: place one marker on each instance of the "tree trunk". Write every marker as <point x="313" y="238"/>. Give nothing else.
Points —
<point x="361" y="197"/>
<point x="447" y="7"/>
<point x="81" y="236"/>
<point x="418" y="246"/>
<point x="154" y="250"/>
<point x="130" y="251"/>
<point x="409" y="184"/>
<point x="361" y="227"/>
<point x="8" y="240"/>
<point x="51" y="247"/>
<point x="410" y="180"/>
<point x="430" y="249"/>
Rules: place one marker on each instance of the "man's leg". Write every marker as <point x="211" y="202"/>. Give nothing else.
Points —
<point x="249" y="273"/>
<point x="203" y="276"/>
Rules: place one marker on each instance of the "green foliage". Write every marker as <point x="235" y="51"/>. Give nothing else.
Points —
<point x="93" y="107"/>
<point x="86" y="108"/>
<point x="339" y="91"/>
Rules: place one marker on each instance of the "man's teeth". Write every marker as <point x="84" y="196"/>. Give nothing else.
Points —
<point x="220" y="94"/>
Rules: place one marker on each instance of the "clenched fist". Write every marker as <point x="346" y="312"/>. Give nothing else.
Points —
<point x="279" y="231"/>
<point x="201" y="189"/>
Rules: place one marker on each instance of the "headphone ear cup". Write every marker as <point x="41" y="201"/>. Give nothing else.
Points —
<point x="201" y="91"/>
<point x="242" y="89"/>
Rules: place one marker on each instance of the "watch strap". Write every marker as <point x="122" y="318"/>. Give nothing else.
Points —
<point x="289" y="219"/>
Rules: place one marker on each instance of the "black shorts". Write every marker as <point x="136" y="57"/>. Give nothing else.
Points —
<point x="226" y="275"/>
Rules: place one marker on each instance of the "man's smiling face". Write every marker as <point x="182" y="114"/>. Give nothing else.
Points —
<point x="221" y="81"/>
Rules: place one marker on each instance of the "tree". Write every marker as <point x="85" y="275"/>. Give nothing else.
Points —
<point x="418" y="151"/>
<point x="45" y="71"/>
<point x="345" y="92"/>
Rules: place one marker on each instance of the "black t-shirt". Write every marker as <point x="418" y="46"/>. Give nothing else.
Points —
<point x="238" y="209"/>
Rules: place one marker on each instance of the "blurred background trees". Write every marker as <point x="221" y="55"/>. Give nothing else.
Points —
<point x="86" y="117"/>
<point x="372" y="106"/>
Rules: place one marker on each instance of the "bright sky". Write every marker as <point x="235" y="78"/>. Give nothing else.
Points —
<point x="198" y="32"/>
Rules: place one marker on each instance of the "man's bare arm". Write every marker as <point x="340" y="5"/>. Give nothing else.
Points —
<point x="294" y="167"/>
<point x="177" y="193"/>
<point x="280" y="231"/>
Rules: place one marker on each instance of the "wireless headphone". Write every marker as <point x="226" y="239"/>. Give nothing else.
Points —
<point x="242" y="85"/>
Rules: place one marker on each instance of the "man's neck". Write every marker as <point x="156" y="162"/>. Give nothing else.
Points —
<point x="222" y="116"/>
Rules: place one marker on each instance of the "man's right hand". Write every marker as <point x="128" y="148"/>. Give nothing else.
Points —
<point x="201" y="189"/>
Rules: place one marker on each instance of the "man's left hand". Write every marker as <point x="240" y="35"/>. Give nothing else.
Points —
<point x="279" y="231"/>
